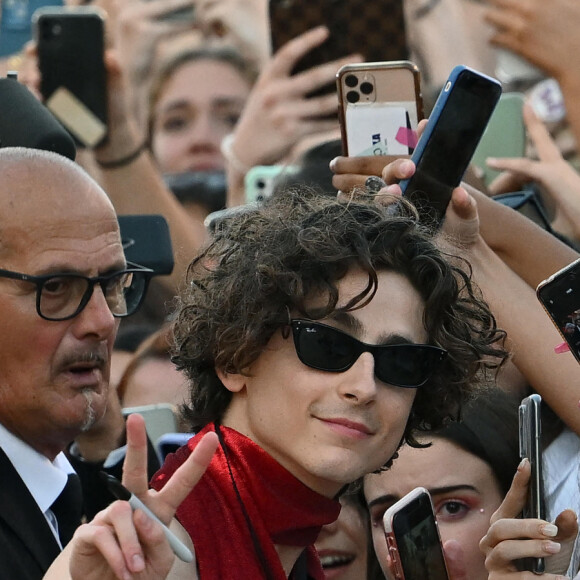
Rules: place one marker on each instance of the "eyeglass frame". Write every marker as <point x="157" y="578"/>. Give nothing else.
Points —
<point x="40" y="281"/>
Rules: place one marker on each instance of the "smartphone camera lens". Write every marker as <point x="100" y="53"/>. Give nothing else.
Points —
<point x="351" y="81"/>
<point x="366" y="88"/>
<point x="260" y="184"/>
<point x="352" y="97"/>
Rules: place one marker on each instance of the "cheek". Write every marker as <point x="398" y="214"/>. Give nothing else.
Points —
<point x="468" y="533"/>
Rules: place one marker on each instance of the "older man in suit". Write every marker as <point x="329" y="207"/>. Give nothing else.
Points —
<point x="64" y="284"/>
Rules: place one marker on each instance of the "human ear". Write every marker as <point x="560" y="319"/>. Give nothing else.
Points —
<point x="233" y="382"/>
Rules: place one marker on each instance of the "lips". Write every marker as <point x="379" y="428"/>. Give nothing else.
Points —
<point x="347" y="426"/>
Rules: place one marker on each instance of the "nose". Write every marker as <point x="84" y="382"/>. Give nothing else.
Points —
<point x="358" y="383"/>
<point x="204" y="134"/>
<point x="96" y="319"/>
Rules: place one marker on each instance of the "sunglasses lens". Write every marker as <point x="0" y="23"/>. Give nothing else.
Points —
<point x="407" y="365"/>
<point x="324" y="348"/>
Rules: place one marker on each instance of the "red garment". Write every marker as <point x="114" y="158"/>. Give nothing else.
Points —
<point x="281" y="509"/>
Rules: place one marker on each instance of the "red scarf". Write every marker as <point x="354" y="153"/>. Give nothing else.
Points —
<point x="281" y="509"/>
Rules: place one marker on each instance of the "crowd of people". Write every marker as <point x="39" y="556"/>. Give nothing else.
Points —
<point x="321" y="352"/>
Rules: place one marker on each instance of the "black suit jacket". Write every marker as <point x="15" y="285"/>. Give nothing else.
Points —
<point x="27" y="544"/>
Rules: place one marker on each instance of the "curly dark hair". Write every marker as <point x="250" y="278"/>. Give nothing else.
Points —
<point x="266" y="261"/>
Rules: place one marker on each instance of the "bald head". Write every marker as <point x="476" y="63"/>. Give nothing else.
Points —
<point x="41" y="188"/>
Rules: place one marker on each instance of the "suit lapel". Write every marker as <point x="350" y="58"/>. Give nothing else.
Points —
<point x="21" y="513"/>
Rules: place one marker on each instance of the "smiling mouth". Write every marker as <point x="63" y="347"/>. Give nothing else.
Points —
<point x="332" y="561"/>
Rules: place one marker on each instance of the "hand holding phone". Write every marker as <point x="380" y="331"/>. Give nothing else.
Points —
<point x="531" y="448"/>
<point x="458" y="120"/>
<point x="413" y="538"/>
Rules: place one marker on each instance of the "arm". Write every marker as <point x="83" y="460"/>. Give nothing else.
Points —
<point x="137" y="187"/>
<point x="532" y="336"/>
<point x="533" y="253"/>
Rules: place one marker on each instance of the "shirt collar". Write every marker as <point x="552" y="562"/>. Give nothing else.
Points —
<point x="45" y="479"/>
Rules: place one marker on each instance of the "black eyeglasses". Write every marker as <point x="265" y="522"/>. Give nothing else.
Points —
<point x="63" y="296"/>
<point x="326" y="348"/>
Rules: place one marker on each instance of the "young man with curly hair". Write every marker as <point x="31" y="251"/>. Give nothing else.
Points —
<point x="317" y="336"/>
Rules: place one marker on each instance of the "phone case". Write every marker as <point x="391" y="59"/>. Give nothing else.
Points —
<point x="380" y="105"/>
<point x="70" y="44"/>
<point x="560" y="297"/>
<point x="454" y="129"/>
<point x="376" y="29"/>
<point x="504" y="136"/>
<point x="159" y="419"/>
<point x="413" y="539"/>
<point x="530" y="427"/>
<point x="261" y="181"/>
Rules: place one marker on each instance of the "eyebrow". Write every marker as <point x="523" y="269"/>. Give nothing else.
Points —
<point x="390" y="498"/>
<point x="218" y="102"/>
<point x="354" y="326"/>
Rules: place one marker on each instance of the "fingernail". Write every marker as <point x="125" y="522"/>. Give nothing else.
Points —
<point x="491" y="161"/>
<point x="407" y="167"/>
<point x="138" y="563"/>
<point x="522" y="463"/>
<point x="551" y="547"/>
<point x="332" y="164"/>
<point x="549" y="530"/>
<point x="391" y="190"/>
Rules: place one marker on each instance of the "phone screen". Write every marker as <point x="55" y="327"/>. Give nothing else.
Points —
<point x="560" y="297"/>
<point x="457" y="123"/>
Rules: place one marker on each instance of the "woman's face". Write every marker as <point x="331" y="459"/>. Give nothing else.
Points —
<point x="197" y="107"/>
<point x="342" y="545"/>
<point x="463" y="487"/>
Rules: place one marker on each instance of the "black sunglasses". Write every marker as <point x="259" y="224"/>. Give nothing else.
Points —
<point x="326" y="348"/>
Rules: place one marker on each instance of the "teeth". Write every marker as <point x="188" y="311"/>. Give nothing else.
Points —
<point x="334" y="561"/>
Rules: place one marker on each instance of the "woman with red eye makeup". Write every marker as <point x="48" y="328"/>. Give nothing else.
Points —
<point x="467" y="468"/>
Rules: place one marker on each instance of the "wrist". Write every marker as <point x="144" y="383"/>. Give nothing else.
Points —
<point x="235" y="164"/>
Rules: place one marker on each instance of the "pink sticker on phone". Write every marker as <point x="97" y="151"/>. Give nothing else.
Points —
<point x="563" y="347"/>
<point x="406" y="137"/>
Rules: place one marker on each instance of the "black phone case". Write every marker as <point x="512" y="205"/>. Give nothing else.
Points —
<point x="71" y="58"/>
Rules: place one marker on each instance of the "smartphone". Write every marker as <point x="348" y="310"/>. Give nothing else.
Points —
<point x="159" y="419"/>
<point x="504" y="136"/>
<point x="413" y="538"/>
<point x="531" y="448"/>
<point x="146" y="241"/>
<point x="170" y="443"/>
<point x="560" y="297"/>
<point x="380" y="104"/>
<point x="70" y="43"/>
<point x="457" y="122"/>
<point x="262" y="180"/>
<point x="376" y="30"/>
